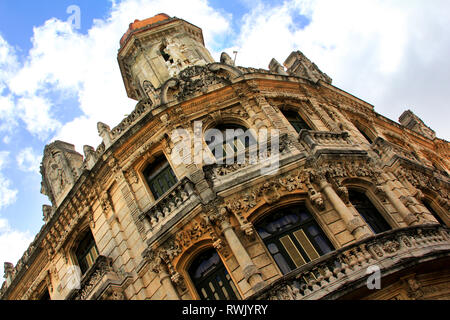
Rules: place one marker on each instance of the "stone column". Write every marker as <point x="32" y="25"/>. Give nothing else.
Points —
<point x="251" y="272"/>
<point x="353" y="224"/>
<point x="158" y="266"/>
<point x="167" y="284"/>
<point x="407" y="216"/>
<point x="403" y="211"/>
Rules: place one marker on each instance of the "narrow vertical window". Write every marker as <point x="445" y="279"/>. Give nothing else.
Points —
<point x="364" y="135"/>
<point x="86" y="252"/>
<point x="427" y="205"/>
<point x="368" y="211"/>
<point x="160" y="177"/>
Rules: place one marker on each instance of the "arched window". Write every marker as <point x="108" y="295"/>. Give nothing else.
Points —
<point x="368" y="211"/>
<point x="86" y="252"/>
<point x="364" y="134"/>
<point x="160" y="177"/>
<point x="293" y="237"/>
<point x="227" y="140"/>
<point x="211" y="278"/>
<point x="295" y="120"/>
<point x="427" y="205"/>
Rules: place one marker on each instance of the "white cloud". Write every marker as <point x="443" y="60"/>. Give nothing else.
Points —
<point x="13" y="244"/>
<point x="28" y="161"/>
<point x="86" y="65"/>
<point x="8" y="62"/>
<point x="391" y="54"/>
<point x="35" y="111"/>
<point x="7" y="195"/>
<point x="7" y="116"/>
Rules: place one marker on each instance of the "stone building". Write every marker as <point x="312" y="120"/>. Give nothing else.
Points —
<point x="341" y="194"/>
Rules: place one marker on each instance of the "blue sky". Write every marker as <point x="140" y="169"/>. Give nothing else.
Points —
<point x="58" y="81"/>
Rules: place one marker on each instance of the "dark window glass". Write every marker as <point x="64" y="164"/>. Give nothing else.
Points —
<point x="234" y="139"/>
<point x="45" y="295"/>
<point x="160" y="177"/>
<point x="296" y="120"/>
<point x="211" y="279"/>
<point x="368" y="211"/>
<point x="165" y="56"/>
<point x="434" y="213"/>
<point x="365" y="135"/>
<point x="86" y="252"/>
<point x="293" y="237"/>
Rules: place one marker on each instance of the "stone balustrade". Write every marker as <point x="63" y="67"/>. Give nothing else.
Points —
<point x="141" y="108"/>
<point x="93" y="278"/>
<point x="173" y="201"/>
<point x="314" y="140"/>
<point x="349" y="265"/>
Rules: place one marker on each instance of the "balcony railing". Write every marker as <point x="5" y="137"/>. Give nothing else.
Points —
<point x="93" y="278"/>
<point x="338" y="269"/>
<point x="168" y="205"/>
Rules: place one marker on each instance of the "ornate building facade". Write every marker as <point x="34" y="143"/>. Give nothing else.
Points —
<point x="352" y="194"/>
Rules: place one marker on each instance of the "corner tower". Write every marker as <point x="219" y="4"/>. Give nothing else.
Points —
<point x="156" y="49"/>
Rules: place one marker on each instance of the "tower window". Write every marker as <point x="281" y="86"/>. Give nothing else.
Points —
<point x="368" y="211"/>
<point x="211" y="279"/>
<point x="296" y="120"/>
<point x="293" y="237"/>
<point x="86" y="252"/>
<point x="160" y="177"/>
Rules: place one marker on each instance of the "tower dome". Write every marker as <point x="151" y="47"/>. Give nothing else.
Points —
<point x="156" y="49"/>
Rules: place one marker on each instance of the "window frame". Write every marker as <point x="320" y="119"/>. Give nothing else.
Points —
<point x="374" y="205"/>
<point x="223" y="127"/>
<point x="291" y="230"/>
<point x="222" y="270"/>
<point x="299" y="117"/>
<point x="149" y="174"/>
<point x="81" y="258"/>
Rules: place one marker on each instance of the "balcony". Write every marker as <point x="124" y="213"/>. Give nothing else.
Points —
<point x="174" y="203"/>
<point x="328" y="276"/>
<point x="389" y="151"/>
<point x="100" y="282"/>
<point x="317" y="142"/>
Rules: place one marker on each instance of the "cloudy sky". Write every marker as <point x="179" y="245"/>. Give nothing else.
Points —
<point x="59" y="78"/>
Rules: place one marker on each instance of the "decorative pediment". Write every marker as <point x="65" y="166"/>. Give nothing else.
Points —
<point x="196" y="79"/>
